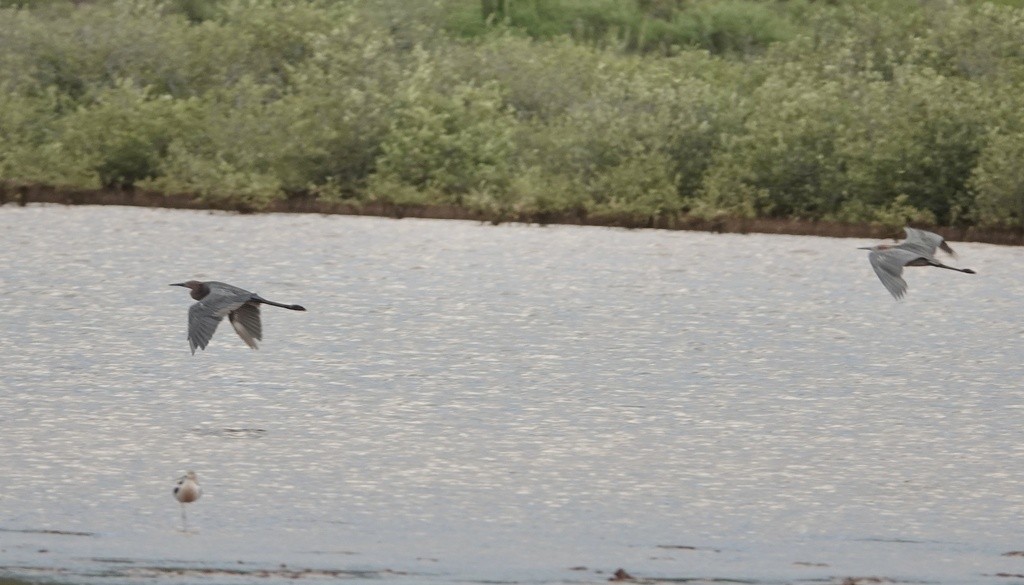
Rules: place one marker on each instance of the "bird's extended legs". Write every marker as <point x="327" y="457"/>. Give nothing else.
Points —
<point x="941" y="265"/>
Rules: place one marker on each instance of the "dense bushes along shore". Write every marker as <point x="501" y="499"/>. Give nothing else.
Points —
<point x="882" y="111"/>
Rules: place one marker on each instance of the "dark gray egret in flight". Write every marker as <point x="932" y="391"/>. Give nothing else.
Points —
<point x="918" y="249"/>
<point x="218" y="300"/>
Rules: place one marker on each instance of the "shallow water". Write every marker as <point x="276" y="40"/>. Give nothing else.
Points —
<point x="470" y="403"/>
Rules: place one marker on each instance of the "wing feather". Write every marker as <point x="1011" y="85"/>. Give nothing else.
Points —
<point x="925" y="242"/>
<point x="202" y="322"/>
<point x="246" y="321"/>
<point x="889" y="268"/>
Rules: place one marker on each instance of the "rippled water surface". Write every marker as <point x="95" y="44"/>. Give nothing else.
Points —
<point x="470" y="403"/>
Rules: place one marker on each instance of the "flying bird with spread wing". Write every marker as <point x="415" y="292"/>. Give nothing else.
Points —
<point x="918" y="249"/>
<point x="217" y="300"/>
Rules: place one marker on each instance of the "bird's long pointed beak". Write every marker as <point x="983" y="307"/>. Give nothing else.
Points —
<point x="179" y="284"/>
<point x="864" y="248"/>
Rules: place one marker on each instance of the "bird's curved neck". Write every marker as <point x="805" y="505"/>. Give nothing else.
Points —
<point x="200" y="291"/>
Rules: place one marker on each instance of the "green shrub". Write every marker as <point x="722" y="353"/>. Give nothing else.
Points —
<point x="664" y="26"/>
<point x="95" y="45"/>
<point x="835" y="147"/>
<point x="723" y="27"/>
<point x="781" y="162"/>
<point x="27" y="123"/>
<point x="883" y="110"/>
<point x="447" y="145"/>
<point x="229" y="158"/>
<point x="919" y="136"/>
<point x="117" y="140"/>
<point x="535" y="81"/>
<point x="588" y="19"/>
<point x="974" y="42"/>
<point x="215" y="180"/>
<point x="542" y="193"/>
<point x="998" y="182"/>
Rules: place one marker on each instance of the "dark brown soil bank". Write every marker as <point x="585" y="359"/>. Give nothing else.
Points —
<point x="25" y="194"/>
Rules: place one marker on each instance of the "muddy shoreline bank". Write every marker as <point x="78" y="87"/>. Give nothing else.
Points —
<point x="25" y="194"/>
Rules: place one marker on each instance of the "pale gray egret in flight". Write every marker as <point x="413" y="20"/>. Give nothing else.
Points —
<point x="918" y="249"/>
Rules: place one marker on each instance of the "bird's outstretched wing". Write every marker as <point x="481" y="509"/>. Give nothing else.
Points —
<point x="924" y="242"/>
<point x="889" y="268"/>
<point x="246" y="321"/>
<point x="202" y="322"/>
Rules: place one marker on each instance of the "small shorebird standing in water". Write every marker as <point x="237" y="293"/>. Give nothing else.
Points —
<point x="218" y="300"/>
<point x="186" y="491"/>
<point x="918" y="249"/>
